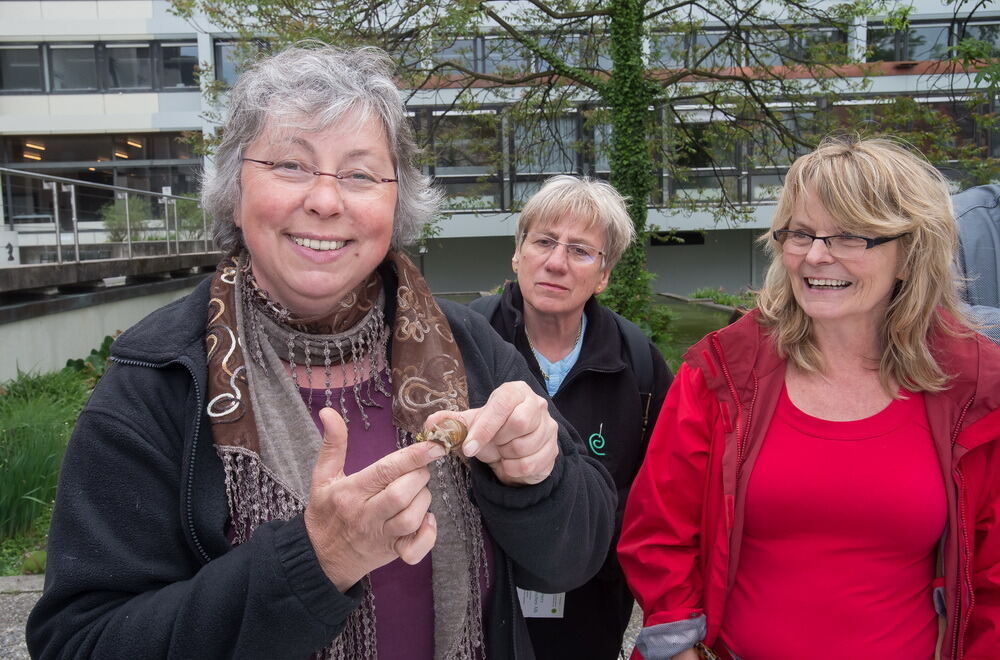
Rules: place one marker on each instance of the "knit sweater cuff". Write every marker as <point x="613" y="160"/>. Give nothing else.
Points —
<point x="306" y="578"/>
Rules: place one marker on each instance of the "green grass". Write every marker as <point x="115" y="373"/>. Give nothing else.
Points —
<point x="26" y="548"/>
<point x="37" y="413"/>
<point x="720" y="297"/>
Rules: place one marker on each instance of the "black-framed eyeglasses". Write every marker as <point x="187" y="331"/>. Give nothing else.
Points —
<point x="355" y="180"/>
<point x="841" y="246"/>
<point x="542" y="245"/>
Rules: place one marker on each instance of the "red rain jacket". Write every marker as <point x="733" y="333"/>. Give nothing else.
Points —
<point x="680" y="540"/>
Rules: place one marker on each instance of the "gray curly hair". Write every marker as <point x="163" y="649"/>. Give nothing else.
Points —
<point x="317" y="84"/>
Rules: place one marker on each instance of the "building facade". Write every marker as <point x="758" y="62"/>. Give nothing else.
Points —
<point x="107" y="91"/>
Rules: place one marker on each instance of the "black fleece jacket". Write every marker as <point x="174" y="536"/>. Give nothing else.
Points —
<point x="139" y="565"/>
<point x="600" y="397"/>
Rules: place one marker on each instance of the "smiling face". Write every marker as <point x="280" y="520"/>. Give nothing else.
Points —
<point x="835" y="291"/>
<point x="311" y="244"/>
<point x="554" y="283"/>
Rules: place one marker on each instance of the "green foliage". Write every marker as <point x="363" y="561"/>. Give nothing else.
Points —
<point x="17" y="551"/>
<point x="94" y="365"/>
<point x="122" y="217"/>
<point x="745" y="299"/>
<point x="37" y="413"/>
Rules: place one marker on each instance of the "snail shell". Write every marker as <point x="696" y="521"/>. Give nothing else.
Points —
<point x="449" y="433"/>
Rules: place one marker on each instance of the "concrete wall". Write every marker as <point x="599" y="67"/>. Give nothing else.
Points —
<point x="728" y="259"/>
<point x="44" y="343"/>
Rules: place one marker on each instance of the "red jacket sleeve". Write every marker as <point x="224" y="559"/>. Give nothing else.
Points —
<point x="982" y="637"/>
<point x="659" y="545"/>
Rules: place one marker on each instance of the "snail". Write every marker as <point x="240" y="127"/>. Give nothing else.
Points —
<point x="449" y="433"/>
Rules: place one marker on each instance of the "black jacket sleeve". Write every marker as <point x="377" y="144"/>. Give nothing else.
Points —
<point x="557" y="533"/>
<point x="123" y="579"/>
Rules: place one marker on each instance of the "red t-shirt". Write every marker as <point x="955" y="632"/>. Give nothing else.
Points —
<point x="842" y="522"/>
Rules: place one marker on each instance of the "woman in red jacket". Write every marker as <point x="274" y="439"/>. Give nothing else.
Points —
<point x="822" y="481"/>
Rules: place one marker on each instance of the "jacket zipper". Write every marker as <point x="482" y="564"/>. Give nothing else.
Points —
<point x="188" y="497"/>
<point x="741" y="433"/>
<point x="963" y="562"/>
<point x="513" y="608"/>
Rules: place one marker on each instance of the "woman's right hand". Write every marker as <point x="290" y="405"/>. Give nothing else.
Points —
<point x="689" y="654"/>
<point x="357" y="523"/>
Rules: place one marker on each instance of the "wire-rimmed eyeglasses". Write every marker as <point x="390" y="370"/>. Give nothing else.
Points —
<point x="542" y="245"/>
<point x="841" y="246"/>
<point x="353" y="181"/>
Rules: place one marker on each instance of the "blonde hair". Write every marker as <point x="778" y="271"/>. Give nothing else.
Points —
<point x="597" y="203"/>
<point x="875" y="187"/>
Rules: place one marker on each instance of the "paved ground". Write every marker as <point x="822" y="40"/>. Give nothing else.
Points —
<point x="18" y="596"/>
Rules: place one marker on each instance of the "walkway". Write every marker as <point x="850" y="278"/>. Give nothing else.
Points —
<point x="17" y="597"/>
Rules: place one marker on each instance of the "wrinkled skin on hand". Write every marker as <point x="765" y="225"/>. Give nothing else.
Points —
<point x="359" y="522"/>
<point x="513" y="434"/>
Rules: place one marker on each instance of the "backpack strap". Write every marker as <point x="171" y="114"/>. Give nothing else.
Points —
<point x="637" y="347"/>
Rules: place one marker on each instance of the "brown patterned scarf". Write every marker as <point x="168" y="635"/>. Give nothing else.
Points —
<point x="426" y="373"/>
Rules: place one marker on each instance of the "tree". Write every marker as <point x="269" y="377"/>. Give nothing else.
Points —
<point x="657" y="89"/>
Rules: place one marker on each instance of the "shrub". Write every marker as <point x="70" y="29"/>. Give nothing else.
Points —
<point x="744" y="298"/>
<point x="37" y="413"/>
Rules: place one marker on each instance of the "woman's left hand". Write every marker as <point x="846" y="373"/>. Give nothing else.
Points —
<point x="513" y="434"/>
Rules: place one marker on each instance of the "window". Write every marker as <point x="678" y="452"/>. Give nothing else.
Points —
<point x="460" y="52"/>
<point x="667" y="50"/>
<point x="918" y="42"/>
<point x="227" y="61"/>
<point x="20" y="68"/>
<point x="988" y="32"/>
<point x="129" y="66"/>
<point x="505" y="56"/>
<point x="73" y="67"/>
<point x="178" y="64"/>
<point x="543" y="145"/>
<point x="465" y="144"/>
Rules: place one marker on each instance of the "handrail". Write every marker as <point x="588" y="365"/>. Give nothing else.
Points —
<point x="105" y="186"/>
<point x="57" y="184"/>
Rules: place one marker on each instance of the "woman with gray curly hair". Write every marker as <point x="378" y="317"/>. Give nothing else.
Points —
<point x="247" y="479"/>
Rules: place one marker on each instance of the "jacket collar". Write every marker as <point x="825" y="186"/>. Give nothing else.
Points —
<point x="601" y="344"/>
<point x="733" y="359"/>
<point x="171" y="332"/>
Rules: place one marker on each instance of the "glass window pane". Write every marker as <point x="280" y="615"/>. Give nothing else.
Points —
<point x="595" y="51"/>
<point x="988" y="32"/>
<point x="20" y="69"/>
<point x="602" y="147"/>
<point x="73" y="67"/>
<point x="564" y="46"/>
<point x="129" y="67"/>
<point x="928" y="42"/>
<point x="769" y="47"/>
<point x="461" y="52"/>
<point x="226" y="62"/>
<point x="881" y="45"/>
<point x="545" y="146"/>
<point x="470" y="196"/>
<point x="721" y="57"/>
<point x="667" y="50"/>
<point x="61" y="148"/>
<point x="465" y="145"/>
<point x="505" y="56"/>
<point x="179" y="64"/>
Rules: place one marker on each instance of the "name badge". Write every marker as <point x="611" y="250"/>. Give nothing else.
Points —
<point x="536" y="605"/>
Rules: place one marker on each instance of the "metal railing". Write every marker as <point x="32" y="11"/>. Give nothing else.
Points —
<point x="52" y="219"/>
